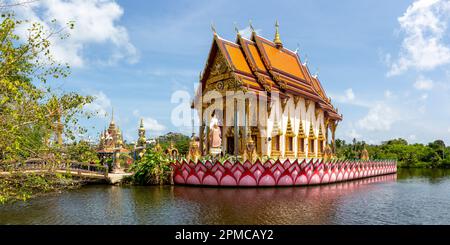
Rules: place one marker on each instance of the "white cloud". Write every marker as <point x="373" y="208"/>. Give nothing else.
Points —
<point x="347" y="97"/>
<point x="153" y="125"/>
<point x="95" y="23"/>
<point x="424" y="96"/>
<point x="136" y="113"/>
<point x="172" y="72"/>
<point x="379" y="118"/>
<point x="352" y="134"/>
<point x="100" y="105"/>
<point x="425" y="26"/>
<point x="423" y="83"/>
<point x="388" y="94"/>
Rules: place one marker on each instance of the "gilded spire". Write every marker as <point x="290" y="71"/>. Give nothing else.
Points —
<point x="277" y="39"/>
<point x="142" y="123"/>
<point x="112" y="115"/>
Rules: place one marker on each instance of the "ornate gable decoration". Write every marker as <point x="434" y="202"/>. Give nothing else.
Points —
<point x="221" y="77"/>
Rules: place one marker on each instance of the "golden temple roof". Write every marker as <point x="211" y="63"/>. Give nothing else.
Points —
<point x="262" y="64"/>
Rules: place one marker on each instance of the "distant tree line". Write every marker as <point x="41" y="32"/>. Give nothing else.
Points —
<point x="180" y="141"/>
<point x="432" y="155"/>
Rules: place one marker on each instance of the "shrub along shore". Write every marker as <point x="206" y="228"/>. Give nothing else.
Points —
<point x="17" y="186"/>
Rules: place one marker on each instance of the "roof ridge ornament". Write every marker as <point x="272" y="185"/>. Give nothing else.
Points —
<point x="213" y="28"/>
<point x="236" y="29"/>
<point x="317" y="73"/>
<point x="251" y="26"/>
<point x="277" y="39"/>
<point x="297" y="49"/>
<point x="306" y="60"/>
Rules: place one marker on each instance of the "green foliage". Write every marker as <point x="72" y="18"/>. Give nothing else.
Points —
<point x="30" y="111"/>
<point x="152" y="168"/>
<point x="180" y="141"/>
<point x="433" y="155"/>
<point x="82" y="152"/>
<point x="22" y="186"/>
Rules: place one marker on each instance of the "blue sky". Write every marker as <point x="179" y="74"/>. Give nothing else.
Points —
<point x="386" y="64"/>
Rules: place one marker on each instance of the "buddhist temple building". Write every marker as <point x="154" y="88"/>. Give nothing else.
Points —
<point x="111" y="142"/>
<point x="308" y="120"/>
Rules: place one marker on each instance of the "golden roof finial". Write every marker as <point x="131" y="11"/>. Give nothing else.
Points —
<point x="142" y="123"/>
<point x="213" y="28"/>
<point x="305" y="63"/>
<point x="251" y="26"/>
<point x="277" y="39"/>
<point x="317" y="73"/>
<point x="236" y="29"/>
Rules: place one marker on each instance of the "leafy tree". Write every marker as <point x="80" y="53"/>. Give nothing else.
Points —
<point x="432" y="155"/>
<point x="82" y="152"/>
<point x="180" y="141"/>
<point x="152" y="168"/>
<point x="30" y="112"/>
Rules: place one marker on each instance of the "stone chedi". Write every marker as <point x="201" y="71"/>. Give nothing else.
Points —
<point x="308" y="119"/>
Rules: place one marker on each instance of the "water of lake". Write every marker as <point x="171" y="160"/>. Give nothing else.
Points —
<point x="418" y="196"/>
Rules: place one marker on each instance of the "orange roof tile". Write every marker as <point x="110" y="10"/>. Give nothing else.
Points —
<point x="256" y="57"/>
<point x="258" y="63"/>
<point x="279" y="59"/>
<point x="237" y="58"/>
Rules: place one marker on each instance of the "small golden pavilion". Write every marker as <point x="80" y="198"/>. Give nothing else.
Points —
<point x="258" y="64"/>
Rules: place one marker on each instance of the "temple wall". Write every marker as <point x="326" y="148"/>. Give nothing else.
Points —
<point x="301" y="113"/>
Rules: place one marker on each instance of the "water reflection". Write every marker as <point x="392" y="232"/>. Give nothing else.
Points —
<point x="298" y="205"/>
<point x="430" y="175"/>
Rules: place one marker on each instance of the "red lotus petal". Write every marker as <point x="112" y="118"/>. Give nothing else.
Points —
<point x="228" y="180"/>
<point x="210" y="180"/>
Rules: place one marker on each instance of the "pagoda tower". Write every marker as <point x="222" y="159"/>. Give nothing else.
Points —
<point x="142" y="141"/>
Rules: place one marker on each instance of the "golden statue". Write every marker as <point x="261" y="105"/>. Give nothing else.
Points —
<point x="157" y="147"/>
<point x="215" y="137"/>
<point x="364" y="154"/>
<point x="250" y="149"/>
<point x="194" y="149"/>
<point x="172" y="151"/>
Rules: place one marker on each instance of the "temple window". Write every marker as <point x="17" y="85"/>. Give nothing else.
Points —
<point x="301" y="141"/>
<point x="320" y="141"/>
<point x="311" y="146"/>
<point x="301" y="145"/>
<point x="311" y="142"/>
<point x="276" y="134"/>
<point x="276" y="143"/>
<point x="289" y="146"/>
<point x="290" y="143"/>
